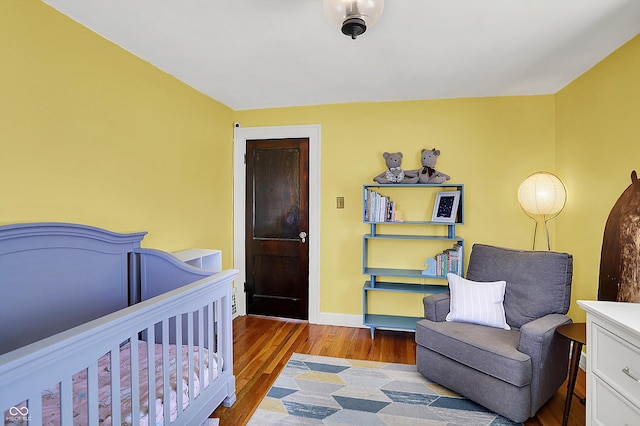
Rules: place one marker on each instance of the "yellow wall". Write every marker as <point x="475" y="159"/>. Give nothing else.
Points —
<point x="489" y="144"/>
<point x="92" y="134"/>
<point x="598" y="145"/>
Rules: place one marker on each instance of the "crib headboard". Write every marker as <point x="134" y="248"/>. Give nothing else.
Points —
<point x="54" y="276"/>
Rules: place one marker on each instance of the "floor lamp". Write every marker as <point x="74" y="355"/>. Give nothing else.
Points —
<point x="542" y="194"/>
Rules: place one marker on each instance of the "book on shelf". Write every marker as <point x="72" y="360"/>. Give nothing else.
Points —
<point x="378" y="208"/>
<point x="450" y="260"/>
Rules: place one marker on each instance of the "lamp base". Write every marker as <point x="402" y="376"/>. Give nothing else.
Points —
<point x="546" y="230"/>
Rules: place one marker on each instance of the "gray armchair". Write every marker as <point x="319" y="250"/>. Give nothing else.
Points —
<point x="511" y="372"/>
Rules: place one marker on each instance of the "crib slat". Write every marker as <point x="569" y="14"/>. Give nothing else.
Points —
<point x="216" y="307"/>
<point x="35" y="409"/>
<point x="201" y="326"/>
<point x="226" y="353"/>
<point x="66" y="402"/>
<point x="92" y="394"/>
<point x="115" y="386"/>
<point x="179" y="387"/>
<point x="166" y="373"/>
<point x="151" y="373"/>
<point x="190" y="356"/>
<point x="134" y="353"/>
<point x="216" y="314"/>
<point x="211" y="343"/>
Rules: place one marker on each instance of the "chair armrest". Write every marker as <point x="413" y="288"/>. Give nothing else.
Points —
<point x="436" y="306"/>
<point x="549" y="353"/>
<point x="533" y="334"/>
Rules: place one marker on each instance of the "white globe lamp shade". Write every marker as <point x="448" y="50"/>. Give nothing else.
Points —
<point x="542" y="193"/>
<point x="353" y="17"/>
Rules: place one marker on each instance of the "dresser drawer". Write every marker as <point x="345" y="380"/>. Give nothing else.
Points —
<point x="611" y="409"/>
<point x="611" y="358"/>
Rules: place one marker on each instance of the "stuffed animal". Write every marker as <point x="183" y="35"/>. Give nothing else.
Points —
<point x="428" y="173"/>
<point x="394" y="173"/>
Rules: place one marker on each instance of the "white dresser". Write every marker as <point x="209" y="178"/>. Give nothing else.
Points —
<point x="613" y="363"/>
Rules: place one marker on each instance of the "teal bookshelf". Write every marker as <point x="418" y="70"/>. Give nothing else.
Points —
<point x="379" y="213"/>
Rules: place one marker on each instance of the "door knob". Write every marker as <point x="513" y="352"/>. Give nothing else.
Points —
<point x="303" y="236"/>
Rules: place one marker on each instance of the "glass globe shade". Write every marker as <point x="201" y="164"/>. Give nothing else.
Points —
<point x="339" y="10"/>
<point x="542" y="193"/>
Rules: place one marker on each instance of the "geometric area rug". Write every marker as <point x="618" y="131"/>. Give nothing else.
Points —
<point x="318" y="390"/>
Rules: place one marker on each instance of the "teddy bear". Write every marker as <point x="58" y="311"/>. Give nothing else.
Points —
<point x="428" y="173"/>
<point x="394" y="173"/>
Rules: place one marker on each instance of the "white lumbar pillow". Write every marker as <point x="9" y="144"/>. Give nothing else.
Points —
<point x="477" y="302"/>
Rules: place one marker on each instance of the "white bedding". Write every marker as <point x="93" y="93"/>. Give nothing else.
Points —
<point x="51" y="400"/>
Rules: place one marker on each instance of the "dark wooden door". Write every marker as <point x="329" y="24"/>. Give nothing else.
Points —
<point x="277" y="224"/>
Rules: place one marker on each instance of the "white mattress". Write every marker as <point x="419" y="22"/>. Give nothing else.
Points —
<point x="51" y="400"/>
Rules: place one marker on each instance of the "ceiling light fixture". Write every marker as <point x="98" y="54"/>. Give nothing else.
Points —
<point x="353" y="17"/>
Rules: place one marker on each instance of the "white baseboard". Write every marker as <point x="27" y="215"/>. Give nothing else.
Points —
<point x="343" y="320"/>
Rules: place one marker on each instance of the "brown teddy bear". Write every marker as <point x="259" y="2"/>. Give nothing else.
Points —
<point x="428" y="173"/>
<point x="394" y="173"/>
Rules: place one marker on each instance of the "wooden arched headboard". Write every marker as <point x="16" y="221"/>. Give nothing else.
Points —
<point x="620" y="256"/>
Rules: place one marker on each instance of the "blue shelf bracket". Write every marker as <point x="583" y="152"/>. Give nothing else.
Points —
<point x="451" y="231"/>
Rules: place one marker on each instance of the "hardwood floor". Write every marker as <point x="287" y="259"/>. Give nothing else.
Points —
<point x="262" y="346"/>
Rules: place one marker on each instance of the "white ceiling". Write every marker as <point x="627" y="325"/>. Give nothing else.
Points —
<point x="273" y="53"/>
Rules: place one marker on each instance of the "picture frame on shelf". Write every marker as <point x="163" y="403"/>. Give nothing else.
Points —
<point x="445" y="208"/>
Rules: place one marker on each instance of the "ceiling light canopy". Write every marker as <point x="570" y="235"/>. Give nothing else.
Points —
<point x="353" y="17"/>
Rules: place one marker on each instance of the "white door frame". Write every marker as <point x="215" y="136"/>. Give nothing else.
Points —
<point x="240" y="137"/>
